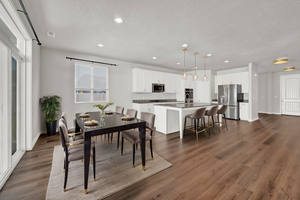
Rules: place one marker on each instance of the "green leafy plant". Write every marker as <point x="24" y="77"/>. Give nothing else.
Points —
<point x="50" y="106"/>
<point x="103" y="107"/>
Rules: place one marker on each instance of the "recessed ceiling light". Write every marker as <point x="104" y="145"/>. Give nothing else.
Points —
<point x="289" y="69"/>
<point x="178" y="63"/>
<point x="226" y="61"/>
<point x="280" y="61"/>
<point x="154" y="58"/>
<point x="100" y="45"/>
<point x="51" y="34"/>
<point x="185" y="45"/>
<point x="119" y="20"/>
<point x="209" y="54"/>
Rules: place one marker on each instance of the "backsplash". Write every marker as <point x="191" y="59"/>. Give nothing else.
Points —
<point x="136" y="96"/>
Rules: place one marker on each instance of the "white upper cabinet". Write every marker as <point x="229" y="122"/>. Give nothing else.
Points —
<point x="240" y="78"/>
<point x="142" y="81"/>
<point x="245" y="82"/>
<point x="189" y="83"/>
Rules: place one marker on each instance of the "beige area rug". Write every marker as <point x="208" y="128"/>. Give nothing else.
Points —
<point x="113" y="172"/>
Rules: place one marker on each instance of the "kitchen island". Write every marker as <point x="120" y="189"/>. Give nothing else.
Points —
<point x="170" y="116"/>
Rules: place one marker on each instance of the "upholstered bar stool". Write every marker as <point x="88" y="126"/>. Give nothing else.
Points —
<point x="73" y="150"/>
<point x="196" y="116"/>
<point x="211" y="113"/>
<point x="119" y="110"/>
<point x="130" y="113"/>
<point x="133" y="136"/>
<point x="222" y="111"/>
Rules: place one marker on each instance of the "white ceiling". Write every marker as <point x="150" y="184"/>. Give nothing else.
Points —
<point x="243" y="31"/>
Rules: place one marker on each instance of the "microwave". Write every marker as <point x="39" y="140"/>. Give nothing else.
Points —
<point x="158" y="87"/>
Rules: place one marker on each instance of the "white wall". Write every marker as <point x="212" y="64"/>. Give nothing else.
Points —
<point x="262" y="93"/>
<point x="253" y="92"/>
<point x="57" y="77"/>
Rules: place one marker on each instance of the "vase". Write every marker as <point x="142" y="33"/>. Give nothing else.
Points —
<point x="102" y="114"/>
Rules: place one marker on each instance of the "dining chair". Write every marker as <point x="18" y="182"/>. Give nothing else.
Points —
<point x="211" y="113"/>
<point x="73" y="150"/>
<point x="222" y="111"/>
<point x="196" y="116"/>
<point x="71" y="132"/>
<point x="130" y="113"/>
<point x="119" y="110"/>
<point x="133" y="136"/>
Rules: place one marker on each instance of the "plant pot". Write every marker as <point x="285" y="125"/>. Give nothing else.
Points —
<point x="51" y="128"/>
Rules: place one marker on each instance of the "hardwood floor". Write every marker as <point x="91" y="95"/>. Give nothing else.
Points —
<point x="258" y="160"/>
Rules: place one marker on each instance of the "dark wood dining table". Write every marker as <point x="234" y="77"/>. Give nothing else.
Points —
<point x="111" y="123"/>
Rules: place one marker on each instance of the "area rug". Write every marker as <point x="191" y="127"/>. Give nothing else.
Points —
<point x="113" y="172"/>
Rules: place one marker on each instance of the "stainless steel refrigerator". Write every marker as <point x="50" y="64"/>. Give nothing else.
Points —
<point x="230" y="95"/>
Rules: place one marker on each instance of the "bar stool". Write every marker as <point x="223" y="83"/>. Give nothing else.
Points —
<point x="198" y="114"/>
<point x="210" y="113"/>
<point x="222" y="111"/>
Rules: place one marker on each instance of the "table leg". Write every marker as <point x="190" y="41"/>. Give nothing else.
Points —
<point x="181" y="122"/>
<point x="87" y="152"/>
<point x="142" y="131"/>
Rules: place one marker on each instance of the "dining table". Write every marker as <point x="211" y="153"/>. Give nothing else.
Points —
<point x="111" y="122"/>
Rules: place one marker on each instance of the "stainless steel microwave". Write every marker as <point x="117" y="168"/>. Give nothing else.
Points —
<point x="158" y="87"/>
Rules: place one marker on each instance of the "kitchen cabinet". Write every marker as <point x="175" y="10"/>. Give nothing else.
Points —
<point x="189" y="83"/>
<point x="158" y="77"/>
<point x="245" y="82"/>
<point x="240" y="78"/>
<point x="244" y="111"/>
<point x="170" y="83"/>
<point x="202" y="92"/>
<point x="141" y="81"/>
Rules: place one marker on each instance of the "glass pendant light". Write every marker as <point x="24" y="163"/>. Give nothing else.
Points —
<point x="184" y="76"/>
<point x="195" y="77"/>
<point x="205" y="79"/>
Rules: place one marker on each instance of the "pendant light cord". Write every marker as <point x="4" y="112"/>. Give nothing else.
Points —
<point x="195" y="63"/>
<point x="184" y="59"/>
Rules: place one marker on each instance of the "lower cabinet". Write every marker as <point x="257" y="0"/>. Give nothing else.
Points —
<point x="244" y="111"/>
<point x="143" y="108"/>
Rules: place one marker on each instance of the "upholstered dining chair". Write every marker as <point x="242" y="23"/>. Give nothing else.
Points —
<point x="222" y="111"/>
<point x="196" y="116"/>
<point x="119" y="110"/>
<point x="72" y="133"/>
<point x="211" y="113"/>
<point x="133" y="136"/>
<point x="73" y="150"/>
<point x="130" y="113"/>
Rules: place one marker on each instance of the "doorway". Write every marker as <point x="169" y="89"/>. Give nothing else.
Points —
<point x="290" y="94"/>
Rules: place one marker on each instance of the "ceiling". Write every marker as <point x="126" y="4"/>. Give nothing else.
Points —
<point x="239" y="31"/>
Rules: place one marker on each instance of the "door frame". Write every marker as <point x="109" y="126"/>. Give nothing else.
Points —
<point x="280" y="100"/>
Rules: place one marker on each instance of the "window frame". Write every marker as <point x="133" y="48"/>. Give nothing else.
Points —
<point x="92" y="89"/>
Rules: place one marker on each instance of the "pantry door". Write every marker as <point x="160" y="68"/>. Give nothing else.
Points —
<point x="290" y="94"/>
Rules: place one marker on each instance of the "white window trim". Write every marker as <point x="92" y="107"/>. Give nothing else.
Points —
<point x="92" y="82"/>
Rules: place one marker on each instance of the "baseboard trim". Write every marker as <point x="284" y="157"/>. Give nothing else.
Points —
<point x="7" y="174"/>
<point x="276" y="113"/>
<point x="253" y="120"/>
<point x="34" y="141"/>
<point x="264" y="112"/>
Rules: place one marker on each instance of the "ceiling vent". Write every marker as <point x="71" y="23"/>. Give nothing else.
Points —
<point x="51" y="34"/>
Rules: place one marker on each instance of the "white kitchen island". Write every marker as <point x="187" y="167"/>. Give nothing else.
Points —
<point x="169" y="118"/>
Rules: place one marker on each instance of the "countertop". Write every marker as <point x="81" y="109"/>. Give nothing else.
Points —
<point x="141" y="101"/>
<point x="185" y="105"/>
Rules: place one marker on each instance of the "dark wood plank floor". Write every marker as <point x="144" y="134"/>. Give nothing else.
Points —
<point x="259" y="160"/>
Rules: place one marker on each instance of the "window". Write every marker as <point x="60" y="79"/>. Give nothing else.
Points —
<point x="91" y="83"/>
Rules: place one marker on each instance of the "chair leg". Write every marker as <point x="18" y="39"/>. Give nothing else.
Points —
<point x="108" y="137"/>
<point x="64" y="166"/>
<point x="151" y="149"/>
<point x="184" y="126"/>
<point x="94" y="163"/>
<point x="122" y="146"/>
<point x="111" y="138"/>
<point x="133" y="154"/>
<point x="219" y="123"/>
<point x="225" y="122"/>
<point x="137" y="146"/>
<point x="66" y="173"/>
<point x="213" y="121"/>
<point x="118" y="140"/>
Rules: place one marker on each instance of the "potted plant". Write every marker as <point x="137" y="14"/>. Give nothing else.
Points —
<point x="103" y="107"/>
<point x="50" y="106"/>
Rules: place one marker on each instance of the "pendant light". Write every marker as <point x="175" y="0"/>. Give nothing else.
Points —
<point x="195" y="77"/>
<point x="184" y="76"/>
<point x="205" y="79"/>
